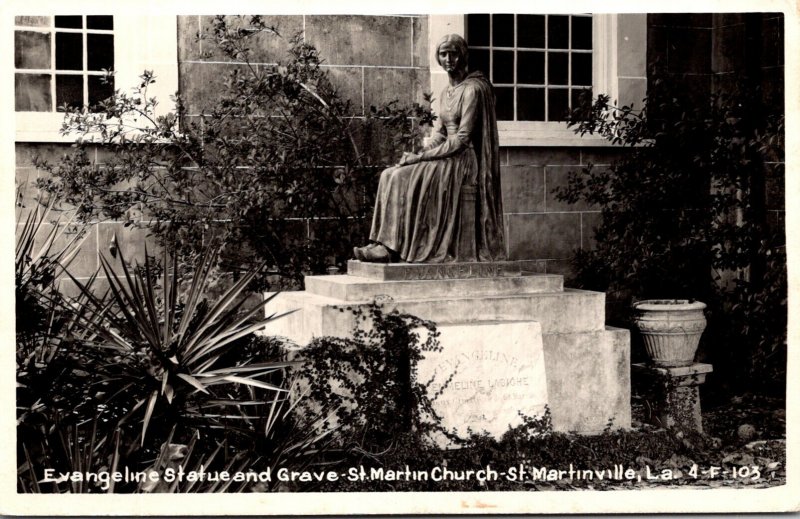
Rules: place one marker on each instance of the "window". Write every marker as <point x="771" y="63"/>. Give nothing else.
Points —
<point x="540" y="64"/>
<point x="62" y="60"/>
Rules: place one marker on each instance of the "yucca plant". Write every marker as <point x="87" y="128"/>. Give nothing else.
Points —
<point x="159" y="351"/>
<point x="289" y="440"/>
<point x="68" y="449"/>
<point x="52" y="378"/>
<point x="101" y="452"/>
<point x="44" y="249"/>
<point x="38" y="257"/>
<point x="45" y="366"/>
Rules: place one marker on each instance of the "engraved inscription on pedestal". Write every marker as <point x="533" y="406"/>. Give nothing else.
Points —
<point x="434" y="271"/>
<point x="456" y="271"/>
<point x="497" y="372"/>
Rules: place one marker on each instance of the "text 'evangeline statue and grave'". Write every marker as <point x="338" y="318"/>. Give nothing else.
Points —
<point x="513" y="338"/>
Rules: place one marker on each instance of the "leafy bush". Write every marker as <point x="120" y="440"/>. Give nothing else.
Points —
<point x="281" y="150"/>
<point x="684" y="216"/>
<point x="370" y="380"/>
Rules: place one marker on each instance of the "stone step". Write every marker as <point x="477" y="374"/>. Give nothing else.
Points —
<point x="352" y="288"/>
<point x="570" y="311"/>
<point x="430" y="271"/>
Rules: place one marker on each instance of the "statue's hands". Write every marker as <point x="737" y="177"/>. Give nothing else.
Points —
<point x="409" y="158"/>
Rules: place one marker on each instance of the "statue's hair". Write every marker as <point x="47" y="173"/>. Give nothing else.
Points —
<point x="458" y="42"/>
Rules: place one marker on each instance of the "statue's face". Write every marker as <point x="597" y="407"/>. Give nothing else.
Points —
<point x="450" y="58"/>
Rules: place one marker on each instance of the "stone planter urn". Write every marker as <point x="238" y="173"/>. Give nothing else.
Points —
<point x="671" y="329"/>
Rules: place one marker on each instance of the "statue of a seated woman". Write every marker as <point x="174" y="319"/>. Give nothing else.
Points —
<point x="444" y="204"/>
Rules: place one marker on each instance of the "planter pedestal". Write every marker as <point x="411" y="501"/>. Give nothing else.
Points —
<point x="676" y="392"/>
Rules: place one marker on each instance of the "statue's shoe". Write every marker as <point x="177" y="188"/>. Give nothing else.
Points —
<point x="377" y="254"/>
<point x="360" y="252"/>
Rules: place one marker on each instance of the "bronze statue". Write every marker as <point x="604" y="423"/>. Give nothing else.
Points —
<point x="444" y="204"/>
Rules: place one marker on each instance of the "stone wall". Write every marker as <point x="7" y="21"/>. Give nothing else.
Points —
<point x="539" y="226"/>
<point x="128" y="241"/>
<point x="680" y="45"/>
<point x="708" y="52"/>
<point x="752" y="45"/>
<point x="371" y="59"/>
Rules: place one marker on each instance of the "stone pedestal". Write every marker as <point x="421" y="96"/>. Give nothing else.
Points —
<point x="676" y="393"/>
<point x="586" y="365"/>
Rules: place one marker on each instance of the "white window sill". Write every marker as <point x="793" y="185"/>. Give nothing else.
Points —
<point x="45" y="127"/>
<point x="544" y="134"/>
<point x="40" y="127"/>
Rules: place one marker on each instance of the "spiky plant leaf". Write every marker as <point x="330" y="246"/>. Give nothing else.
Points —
<point x="169" y="347"/>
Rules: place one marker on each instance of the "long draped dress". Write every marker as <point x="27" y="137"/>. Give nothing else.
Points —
<point x="417" y="209"/>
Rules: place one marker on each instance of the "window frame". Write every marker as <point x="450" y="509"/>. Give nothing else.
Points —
<point x="541" y="133"/>
<point x="133" y="54"/>
<point x="547" y="53"/>
<point x="53" y="31"/>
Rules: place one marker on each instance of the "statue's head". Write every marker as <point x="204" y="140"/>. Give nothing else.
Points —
<point x="457" y="46"/>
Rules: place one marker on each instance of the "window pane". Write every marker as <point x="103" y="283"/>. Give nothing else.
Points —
<point x="530" y="31"/>
<point x="100" y="50"/>
<point x="100" y="89"/>
<point x="557" y="32"/>
<point x="479" y="60"/>
<point x="581" y="32"/>
<point x="69" y="51"/>
<point x="530" y="104"/>
<point x="69" y="89"/>
<point x="581" y="69"/>
<point x="503" y="66"/>
<point x="557" y="68"/>
<point x="557" y="104"/>
<point x="582" y="99"/>
<point x="100" y="22"/>
<point x="530" y="68"/>
<point x="478" y="30"/>
<point x="32" y="49"/>
<point x="32" y="93"/>
<point x="32" y="21"/>
<point x="503" y="30"/>
<point x="69" y="22"/>
<point x="505" y="103"/>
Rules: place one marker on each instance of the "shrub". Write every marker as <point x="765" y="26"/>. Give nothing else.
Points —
<point x="281" y="150"/>
<point x="370" y="380"/>
<point x="683" y="216"/>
